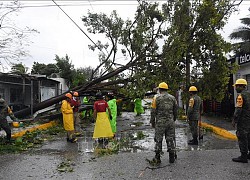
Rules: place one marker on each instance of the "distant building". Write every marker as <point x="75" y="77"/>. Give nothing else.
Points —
<point x="244" y="72"/>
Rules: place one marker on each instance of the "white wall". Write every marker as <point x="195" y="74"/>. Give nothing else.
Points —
<point x="62" y="86"/>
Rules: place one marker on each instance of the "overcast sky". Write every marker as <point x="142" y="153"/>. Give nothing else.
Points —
<point x="58" y="34"/>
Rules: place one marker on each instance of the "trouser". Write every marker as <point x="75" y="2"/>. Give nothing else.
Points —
<point x="5" y="126"/>
<point x="169" y="131"/>
<point x="193" y="124"/>
<point x="71" y="135"/>
<point x="77" y="125"/>
<point x="243" y="135"/>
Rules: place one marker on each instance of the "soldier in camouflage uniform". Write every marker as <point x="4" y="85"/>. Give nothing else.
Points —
<point x="193" y="114"/>
<point x="163" y="116"/>
<point x="4" y="112"/>
<point x="241" y="120"/>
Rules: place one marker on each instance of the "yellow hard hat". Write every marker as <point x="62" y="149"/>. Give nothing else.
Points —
<point x="15" y="124"/>
<point x="68" y="95"/>
<point x="193" y="88"/>
<point x="163" y="85"/>
<point x="240" y="82"/>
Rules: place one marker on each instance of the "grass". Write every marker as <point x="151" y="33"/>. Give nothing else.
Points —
<point x="29" y="140"/>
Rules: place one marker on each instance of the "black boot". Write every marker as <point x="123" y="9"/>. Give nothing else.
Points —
<point x="156" y="160"/>
<point x="248" y="155"/>
<point x="172" y="156"/>
<point x="193" y="142"/>
<point x="72" y="138"/>
<point x="242" y="158"/>
<point x="7" y="141"/>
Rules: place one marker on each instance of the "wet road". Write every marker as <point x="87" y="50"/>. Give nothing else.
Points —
<point x="57" y="159"/>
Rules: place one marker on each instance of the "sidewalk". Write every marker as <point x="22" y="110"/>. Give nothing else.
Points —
<point x="19" y="132"/>
<point x="220" y="126"/>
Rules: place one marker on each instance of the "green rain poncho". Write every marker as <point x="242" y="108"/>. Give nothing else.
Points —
<point x="138" y="106"/>
<point x="85" y="101"/>
<point x="113" y="109"/>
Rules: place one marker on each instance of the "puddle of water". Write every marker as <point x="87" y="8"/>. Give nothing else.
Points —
<point x="126" y="138"/>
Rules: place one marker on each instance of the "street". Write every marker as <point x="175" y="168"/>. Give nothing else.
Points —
<point x="57" y="159"/>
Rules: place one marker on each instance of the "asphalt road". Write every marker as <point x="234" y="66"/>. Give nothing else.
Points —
<point x="57" y="159"/>
<point x="196" y="164"/>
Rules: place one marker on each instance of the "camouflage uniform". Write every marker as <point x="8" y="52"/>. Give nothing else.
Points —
<point x="193" y="115"/>
<point x="242" y="118"/>
<point x="4" y="112"/>
<point x="163" y="116"/>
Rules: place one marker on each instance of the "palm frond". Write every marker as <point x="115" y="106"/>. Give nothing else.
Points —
<point x="243" y="33"/>
<point x="245" y="21"/>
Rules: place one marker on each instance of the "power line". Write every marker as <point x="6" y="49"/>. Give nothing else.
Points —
<point x="78" y="26"/>
<point x="34" y="6"/>
<point x="94" y="4"/>
<point x="72" y="4"/>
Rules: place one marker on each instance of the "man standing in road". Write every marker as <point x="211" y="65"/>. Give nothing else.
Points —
<point x="75" y="103"/>
<point x="194" y="114"/>
<point x="138" y="109"/>
<point x="4" y="112"/>
<point x="102" y="125"/>
<point x="241" y="120"/>
<point x="163" y="117"/>
<point x="113" y="108"/>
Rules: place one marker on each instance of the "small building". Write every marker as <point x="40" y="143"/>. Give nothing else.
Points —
<point x="227" y="106"/>
<point x="243" y="60"/>
<point x="23" y="90"/>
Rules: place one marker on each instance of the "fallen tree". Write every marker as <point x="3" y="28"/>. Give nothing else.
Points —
<point x="93" y="85"/>
<point x="136" y="38"/>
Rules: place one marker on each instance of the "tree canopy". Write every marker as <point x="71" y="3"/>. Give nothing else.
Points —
<point x="242" y="34"/>
<point x="13" y="39"/>
<point x="19" y="69"/>
<point x="179" y="43"/>
<point x="64" y="68"/>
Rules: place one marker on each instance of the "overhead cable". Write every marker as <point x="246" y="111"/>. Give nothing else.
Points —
<point x="78" y="26"/>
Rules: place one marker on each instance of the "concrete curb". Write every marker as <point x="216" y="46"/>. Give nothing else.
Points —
<point x="220" y="131"/>
<point x="39" y="127"/>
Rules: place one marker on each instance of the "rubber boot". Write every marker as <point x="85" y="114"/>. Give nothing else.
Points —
<point x="242" y="158"/>
<point x="72" y="138"/>
<point x="101" y="143"/>
<point x="172" y="156"/>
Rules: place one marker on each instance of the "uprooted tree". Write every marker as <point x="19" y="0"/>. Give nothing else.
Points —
<point x="159" y="45"/>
